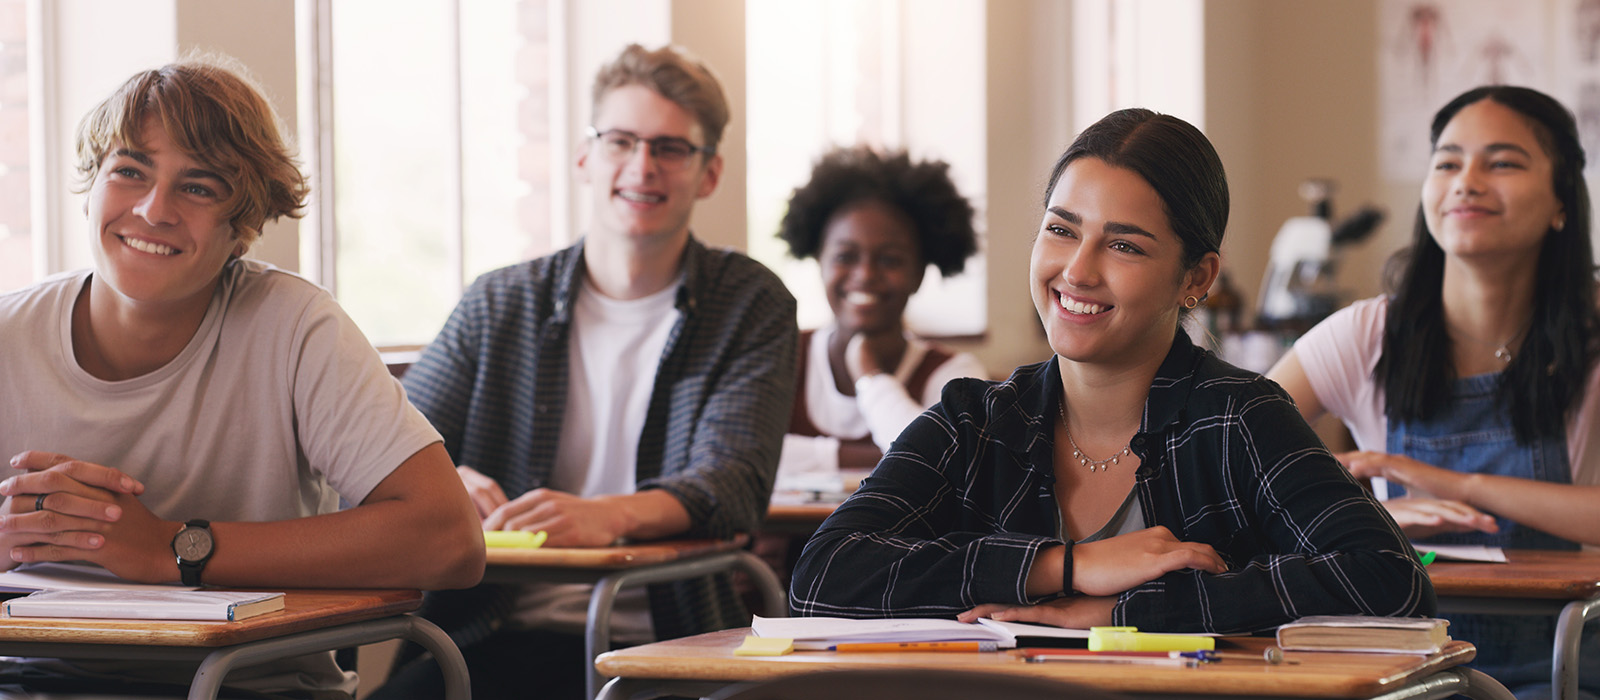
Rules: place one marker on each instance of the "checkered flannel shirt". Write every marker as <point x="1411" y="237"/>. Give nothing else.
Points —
<point x="494" y="384"/>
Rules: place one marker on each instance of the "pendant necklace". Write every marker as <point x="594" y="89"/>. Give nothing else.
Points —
<point x="1502" y="351"/>
<point x="1092" y="464"/>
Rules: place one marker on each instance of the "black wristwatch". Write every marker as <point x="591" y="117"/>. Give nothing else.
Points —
<point x="193" y="545"/>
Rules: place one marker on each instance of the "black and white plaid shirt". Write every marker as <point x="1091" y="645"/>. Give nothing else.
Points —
<point x="956" y="511"/>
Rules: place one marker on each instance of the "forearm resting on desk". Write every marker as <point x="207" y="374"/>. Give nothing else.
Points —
<point x="574" y="521"/>
<point x="1565" y="510"/>
<point x="415" y="529"/>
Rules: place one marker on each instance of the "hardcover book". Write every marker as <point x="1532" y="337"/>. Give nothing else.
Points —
<point x="1405" y="635"/>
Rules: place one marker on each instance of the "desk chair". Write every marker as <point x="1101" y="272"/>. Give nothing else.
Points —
<point x="898" y="684"/>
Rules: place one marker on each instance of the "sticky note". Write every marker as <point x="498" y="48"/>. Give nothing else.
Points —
<point x="514" y="538"/>
<point x="764" y="646"/>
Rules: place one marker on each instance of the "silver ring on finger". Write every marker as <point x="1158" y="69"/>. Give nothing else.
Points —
<point x="38" y="503"/>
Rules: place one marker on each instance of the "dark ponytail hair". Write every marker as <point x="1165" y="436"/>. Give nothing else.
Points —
<point x="1175" y="158"/>
<point x="1547" y="374"/>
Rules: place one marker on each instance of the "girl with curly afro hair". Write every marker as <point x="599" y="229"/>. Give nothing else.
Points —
<point x="874" y="222"/>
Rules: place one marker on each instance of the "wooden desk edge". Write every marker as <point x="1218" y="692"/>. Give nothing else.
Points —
<point x="620" y="557"/>
<point x="304" y="609"/>
<point x="710" y="658"/>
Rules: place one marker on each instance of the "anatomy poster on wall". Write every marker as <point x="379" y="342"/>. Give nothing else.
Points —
<point x="1433" y="50"/>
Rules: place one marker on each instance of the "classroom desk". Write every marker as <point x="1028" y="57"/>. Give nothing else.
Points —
<point x="1565" y="584"/>
<point x="800" y="519"/>
<point x="612" y="568"/>
<point x="311" y="621"/>
<point x="700" y="665"/>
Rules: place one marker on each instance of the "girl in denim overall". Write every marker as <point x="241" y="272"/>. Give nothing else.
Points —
<point x="1470" y="389"/>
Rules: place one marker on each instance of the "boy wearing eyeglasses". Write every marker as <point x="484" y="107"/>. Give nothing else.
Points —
<point x="635" y="385"/>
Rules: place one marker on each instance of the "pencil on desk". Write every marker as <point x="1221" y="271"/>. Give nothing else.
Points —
<point x="915" y="646"/>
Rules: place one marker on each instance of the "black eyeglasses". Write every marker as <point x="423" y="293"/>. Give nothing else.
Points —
<point x="670" y="151"/>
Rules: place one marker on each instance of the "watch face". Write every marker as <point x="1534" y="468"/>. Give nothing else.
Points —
<point x="193" y="543"/>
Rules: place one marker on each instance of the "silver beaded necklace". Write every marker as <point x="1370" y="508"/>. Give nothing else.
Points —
<point x="1093" y="464"/>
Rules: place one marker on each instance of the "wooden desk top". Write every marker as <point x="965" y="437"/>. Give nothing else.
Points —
<point x="302" y="610"/>
<point x="809" y="514"/>
<point x="709" y="657"/>
<point x="1526" y="574"/>
<point x="623" y="557"/>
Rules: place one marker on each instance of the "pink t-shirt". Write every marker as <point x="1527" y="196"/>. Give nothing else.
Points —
<point x="1338" y="357"/>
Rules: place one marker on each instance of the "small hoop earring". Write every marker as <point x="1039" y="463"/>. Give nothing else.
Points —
<point x="1191" y="301"/>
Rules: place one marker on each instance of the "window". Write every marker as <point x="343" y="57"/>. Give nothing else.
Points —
<point x="1139" y="53"/>
<point x="440" y="167"/>
<point x="887" y="73"/>
<point x="16" y="240"/>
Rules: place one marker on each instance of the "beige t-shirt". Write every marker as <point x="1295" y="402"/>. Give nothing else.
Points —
<point x="276" y="409"/>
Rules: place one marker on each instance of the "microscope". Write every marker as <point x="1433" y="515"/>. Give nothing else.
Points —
<point x="1297" y="290"/>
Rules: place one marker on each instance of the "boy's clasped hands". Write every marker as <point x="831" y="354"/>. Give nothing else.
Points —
<point x="91" y="513"/>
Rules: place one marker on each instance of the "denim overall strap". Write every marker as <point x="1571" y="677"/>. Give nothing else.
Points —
<point x="1472" y="433"/>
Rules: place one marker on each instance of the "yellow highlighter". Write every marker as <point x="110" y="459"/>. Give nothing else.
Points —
<point x="514" y="538"/>
<point x="1131" y="639"/>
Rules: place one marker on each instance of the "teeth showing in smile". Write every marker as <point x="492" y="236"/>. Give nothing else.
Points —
<point x="641" y="197"/>
<point x="148" y="247"/>
<point x="1081" y="308"/>
<point x="860" y="298"/>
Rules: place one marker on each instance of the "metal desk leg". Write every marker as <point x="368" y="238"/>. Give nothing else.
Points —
<point x="1481" y="686"/>
<point x="457" y="684"/>
<point x="1450" y="683"/>
<point x="1569" y="635"/>
<point x="215" y="667"/>
<point x="766" y="582"/>
<point x="597" y="629"/>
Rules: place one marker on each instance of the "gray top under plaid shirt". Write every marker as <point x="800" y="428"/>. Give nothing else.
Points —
<point x="956" y="511"/>
<point x="494" y="383"/>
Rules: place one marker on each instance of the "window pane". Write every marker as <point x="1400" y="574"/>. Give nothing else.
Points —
<point x="506" y="132"/>
<point x="887" y="74"/>
<point x="16" y="241"/>
<point x="392" y="174"/>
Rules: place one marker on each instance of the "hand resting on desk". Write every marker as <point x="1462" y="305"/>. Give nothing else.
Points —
<point x="1436" y="504"/>
<point x="1077" y="612"/>
<point x="1101" y="570"/>
<point x="92" y="513"/>
<point x="574" y="521"/>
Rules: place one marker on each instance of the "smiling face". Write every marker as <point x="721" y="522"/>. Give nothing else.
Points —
<point x="639" y="198"/>
<point x="1489" y="191"/>
<point x="1106" y="272"/>
<point x="161" y="231"/>
<point x="871" y="265"/>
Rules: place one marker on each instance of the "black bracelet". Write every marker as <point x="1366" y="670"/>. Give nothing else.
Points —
<point x="1066" y="570"/>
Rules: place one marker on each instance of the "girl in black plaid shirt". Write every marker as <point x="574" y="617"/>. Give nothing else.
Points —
<point x="1133" y="479"/>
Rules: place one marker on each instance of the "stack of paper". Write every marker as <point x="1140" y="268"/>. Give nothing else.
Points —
<point x="825" y="632"/>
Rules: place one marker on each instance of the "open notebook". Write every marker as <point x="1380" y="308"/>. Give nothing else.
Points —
<point x="824" y="632"/>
